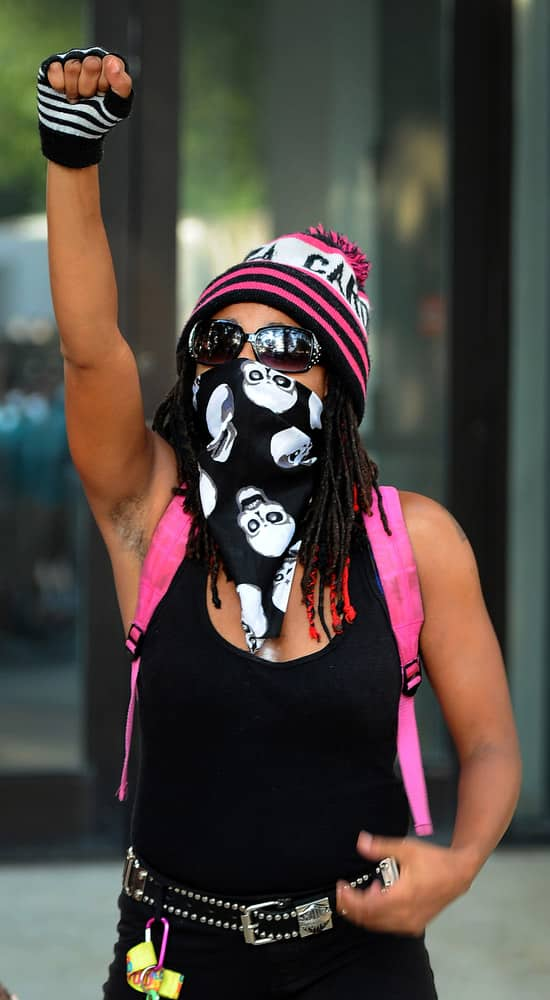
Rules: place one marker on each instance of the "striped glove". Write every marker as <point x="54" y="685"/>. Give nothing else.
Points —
<point x="72" y="134"/>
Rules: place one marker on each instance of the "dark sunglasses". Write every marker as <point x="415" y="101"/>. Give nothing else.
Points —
<point x="286" y="348"/>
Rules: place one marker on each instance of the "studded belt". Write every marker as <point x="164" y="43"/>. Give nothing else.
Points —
<point x="260" y="922"/>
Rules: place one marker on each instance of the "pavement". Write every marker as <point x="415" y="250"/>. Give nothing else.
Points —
<point x="57" y="927"/>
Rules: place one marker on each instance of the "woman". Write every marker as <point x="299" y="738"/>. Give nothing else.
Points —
<point x="268" y="697"/>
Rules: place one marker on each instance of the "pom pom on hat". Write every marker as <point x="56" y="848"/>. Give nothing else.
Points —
<point x="351" y="251"/>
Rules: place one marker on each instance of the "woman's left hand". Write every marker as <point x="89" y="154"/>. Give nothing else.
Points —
<point x="430" y="878"/>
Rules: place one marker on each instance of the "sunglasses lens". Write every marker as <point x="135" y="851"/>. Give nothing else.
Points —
<point x="216" y="342"/>
<point x="286" y="348"/>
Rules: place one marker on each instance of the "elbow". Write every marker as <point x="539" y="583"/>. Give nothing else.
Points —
<point x="87" y="350"/>
<point x="503" y="758"/>
<point x="75" y="359"/>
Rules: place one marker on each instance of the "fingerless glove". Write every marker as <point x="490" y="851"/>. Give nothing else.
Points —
<point x="73" y="134"/>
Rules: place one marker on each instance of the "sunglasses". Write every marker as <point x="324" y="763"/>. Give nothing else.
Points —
<point x="286" y="348"/>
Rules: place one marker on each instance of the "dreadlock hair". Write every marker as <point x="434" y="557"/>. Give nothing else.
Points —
<point x="346" y="480"/>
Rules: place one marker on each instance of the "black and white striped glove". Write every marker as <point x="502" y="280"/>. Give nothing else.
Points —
<point x="73" y="134"/>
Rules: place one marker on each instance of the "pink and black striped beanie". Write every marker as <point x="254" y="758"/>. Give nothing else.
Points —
<point x="317" y="277"/>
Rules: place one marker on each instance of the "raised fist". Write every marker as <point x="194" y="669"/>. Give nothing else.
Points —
<point x="82" y="94"/>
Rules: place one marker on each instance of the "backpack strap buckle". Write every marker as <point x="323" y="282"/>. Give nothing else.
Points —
<point x="134" y="640"/>
<point x="412" y="677"/>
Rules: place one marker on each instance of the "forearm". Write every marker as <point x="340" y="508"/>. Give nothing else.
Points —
<point x="82" y="277"/>
<point x="487" y="795"/>
<point x="434" y="876"/>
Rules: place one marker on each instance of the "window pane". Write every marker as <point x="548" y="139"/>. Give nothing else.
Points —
<point x="529" y="469"/>
<point x="39" y="496"/>
<point x="284" y="128"/>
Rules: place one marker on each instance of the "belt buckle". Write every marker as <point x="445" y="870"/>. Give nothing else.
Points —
<point x="134" y="873"/>
<point x="314" y="917"/>
<point x="250" y="928"/>
<point x="388" y="872"/>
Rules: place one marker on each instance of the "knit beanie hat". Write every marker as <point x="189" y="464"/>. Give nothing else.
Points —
<point x="317" y="277"/>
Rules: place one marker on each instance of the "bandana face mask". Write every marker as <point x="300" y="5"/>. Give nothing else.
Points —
<point x="261" y="434"/>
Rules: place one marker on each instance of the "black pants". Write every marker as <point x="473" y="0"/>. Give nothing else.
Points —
<point x="347" y="963"/>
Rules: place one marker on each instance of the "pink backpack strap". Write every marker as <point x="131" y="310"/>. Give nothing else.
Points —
<point x="164" y="556"/>
<point x="396" y="567"/>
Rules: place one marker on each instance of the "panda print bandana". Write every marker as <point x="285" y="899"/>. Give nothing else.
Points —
<point x="260" y="432"/>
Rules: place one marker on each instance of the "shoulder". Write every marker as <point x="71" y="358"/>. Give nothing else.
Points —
<point x="427" y="519"/>
<point x="443" y="554"/>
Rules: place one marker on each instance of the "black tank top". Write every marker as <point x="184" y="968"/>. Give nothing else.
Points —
<point x="257" y="777"/>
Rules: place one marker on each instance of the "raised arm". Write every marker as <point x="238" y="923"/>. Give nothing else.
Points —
<point x="113" y="450"/>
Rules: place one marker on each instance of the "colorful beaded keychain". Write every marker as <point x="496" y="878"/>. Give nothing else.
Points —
<point x="145" y="974"/>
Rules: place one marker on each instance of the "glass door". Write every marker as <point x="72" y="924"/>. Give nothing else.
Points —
<point x="40" y="501"/>
<point x="344" y="123"/>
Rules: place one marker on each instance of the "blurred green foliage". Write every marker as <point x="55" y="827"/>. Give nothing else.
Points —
<point x="220" y="154"/>
<point x="30" y="30"/>
<point x="220" y="137"/>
